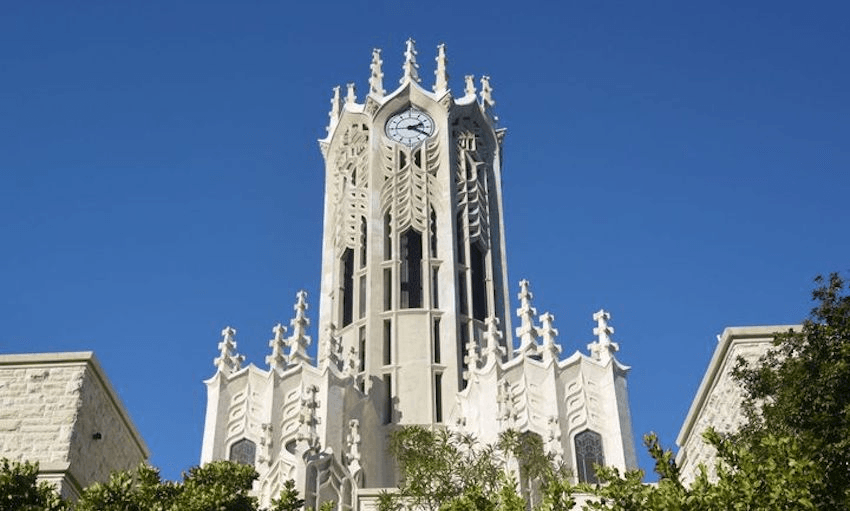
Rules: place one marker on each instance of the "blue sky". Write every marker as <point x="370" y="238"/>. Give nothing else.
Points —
<point x="683" y="166"/>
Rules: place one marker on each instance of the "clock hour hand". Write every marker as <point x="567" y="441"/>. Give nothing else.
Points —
<point x="418" y="127"/>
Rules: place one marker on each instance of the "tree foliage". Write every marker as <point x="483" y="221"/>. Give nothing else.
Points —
<point x="801" y="389"/>
<point x="21" y="491"/>
<point x="216" y="486"/>
<point x="449" y="471"/>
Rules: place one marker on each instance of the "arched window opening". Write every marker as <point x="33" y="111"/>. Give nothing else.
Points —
<point x="588" y="452"/>
<point x="433" y="234"/>
<point x="461" y="250"/>
<point x="347" y="286"/>
<point x="244" y="451"/>
<point x="479" y="283"/>
<point x="410" y="270"/>
<point x="363" y="243"/>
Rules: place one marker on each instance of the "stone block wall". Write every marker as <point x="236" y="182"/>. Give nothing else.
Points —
<point x="719" y="400"/>
<point x="59" y="410"/>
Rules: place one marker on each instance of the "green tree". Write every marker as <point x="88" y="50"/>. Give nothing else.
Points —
<point x="801" y="390"/>
<point x="776" y="476"/>
<point x="447" y="471"/>
<point x="289" y="499"/>
<point x="21" y="491"/>
<point x="216" y="486"/>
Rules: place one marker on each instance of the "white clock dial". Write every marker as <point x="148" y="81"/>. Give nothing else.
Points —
<point x="410" y="127"/>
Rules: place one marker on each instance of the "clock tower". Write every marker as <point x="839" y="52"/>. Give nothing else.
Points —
<point x="414" y="322"/>
<point x="413" y="257"/>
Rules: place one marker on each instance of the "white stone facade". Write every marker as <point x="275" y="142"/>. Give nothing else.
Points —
<point x="414" y="324"/>
<point x="718" y="402"/>
<point x="59" y="409"/>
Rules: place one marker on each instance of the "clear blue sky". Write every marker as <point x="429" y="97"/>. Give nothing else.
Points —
<point x="685" y="167"/>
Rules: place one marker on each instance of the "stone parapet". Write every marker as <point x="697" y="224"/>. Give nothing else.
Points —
<point x="58" y="409"/>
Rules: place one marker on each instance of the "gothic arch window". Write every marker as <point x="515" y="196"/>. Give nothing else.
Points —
<point x="410" y="270"/>
<point x="588" y="452"/>
<point x="347" y="272"/>
<point x="479" y="282"/>
<point x="363" y="242"/>
<point x="244" y="451"/>
<point x="433" y="233"/>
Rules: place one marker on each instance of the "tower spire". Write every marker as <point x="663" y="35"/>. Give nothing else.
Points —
<point x="376" y="78"/>
<point x="441" y="84"/>
<point x="336" y="108"/>
<point x="228" y="362"/>
<point x="527" y="332"/>
<point x="492" y="337"/>
<point x="469" y="90"/>
<point x="277" y="359"/>
<point x="603" y="348"/>
<point x="299" y="340"/>
<point x="410" y="67"/>
<point x="549" y="333"/>
<point x="350" y="97"/>
<point x="486" y="92"/>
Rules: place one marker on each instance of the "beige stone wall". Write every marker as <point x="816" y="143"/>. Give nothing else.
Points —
<point x="719" y="398"/>
<point x="722" y="411"/>
<point x="52" y="408"/>
<point x="38" y="407"/>
<point x="116" y="449"/>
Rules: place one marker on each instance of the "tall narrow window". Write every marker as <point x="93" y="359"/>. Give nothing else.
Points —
<point x="435" y="290"/>
<point x="461" y="249"/>
<point x="438" y="397"/>
<point x="461" y="291"/>
<point x="436" y="340"/>
<point x="388" y="403"/>
<point x="479" y="283"/>
<point x="361" y="308"/>
<point x="388" y="289"/>
<point x="388" y="342"/>
<point x="588" y="452"/>
<point x="363" y="242"/>
<point x="347" y="286"/>
<point x="433" y="233"/>
<point x="388" y="237"/>
<point x="361" y="337"/>
<point x="410" y="275"/>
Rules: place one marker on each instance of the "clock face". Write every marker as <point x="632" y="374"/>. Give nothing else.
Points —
<point x="410" y="127"/>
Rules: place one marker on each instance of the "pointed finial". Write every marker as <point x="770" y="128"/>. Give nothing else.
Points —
<point x="277" y="359"/>
<point x="331" y="349"/>
<point x="441" y="84"/>
<point x="350" y="97"/>
<point x="336" y="108"/>
<point x="493" y="337"/>
<point x="550" y="349"/>
<point x="603" y="348"/>
<point x="410" y="67"/>
<point x="470" y="85"/>
<point x="486" y="92"/>
<point x="299" y="340"/>
<point x="307" y="418"/>
<point x="527" y="332"/>
<point x="228" y="362"/>
<point x="471" y="359"/>
<point x="376" y="76"/>
<point x="352" y="441"/>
